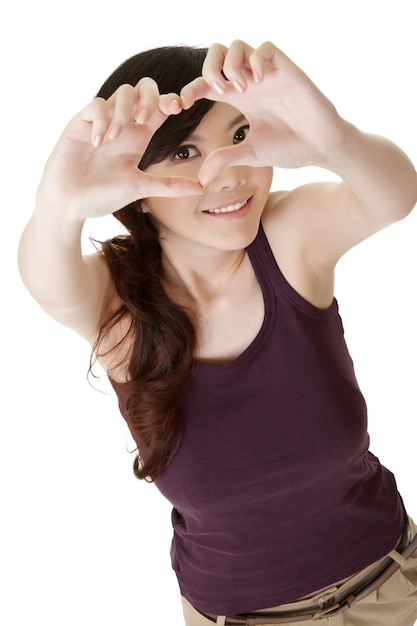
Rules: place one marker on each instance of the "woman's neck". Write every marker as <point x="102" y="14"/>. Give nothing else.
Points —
<point x="205" y="274"/>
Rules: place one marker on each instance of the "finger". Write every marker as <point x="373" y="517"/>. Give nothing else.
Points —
<point x="139" y="104"/>
<point x="170" y="104"/>
<point x="228" y="66"/>
<point x="96" y="114"/>
<point x="236" y="63"/>
<point x="196" y="90"/>
<point x="226" y="157"/>
<point x="213" y="68"/>
<point x="148" y="102"/>
<point x="168" y="186"/>
<point x="264" y="56"/>
<point x="122" y="105"/>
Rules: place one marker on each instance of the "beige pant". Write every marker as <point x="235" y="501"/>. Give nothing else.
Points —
<point x="393" y="604"/>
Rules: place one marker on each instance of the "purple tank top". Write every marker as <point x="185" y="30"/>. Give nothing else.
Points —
<point x="274" y="491"/>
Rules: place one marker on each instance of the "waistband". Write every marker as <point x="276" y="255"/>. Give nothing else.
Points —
<point x="333" y="600"/>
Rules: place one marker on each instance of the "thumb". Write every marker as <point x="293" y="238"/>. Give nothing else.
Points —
<point x="225" y="157"/>
<point x="169" y="186"/>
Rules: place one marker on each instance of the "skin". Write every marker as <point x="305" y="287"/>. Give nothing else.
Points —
<point x="203" y="248"/>
<point x="93" y="169"/>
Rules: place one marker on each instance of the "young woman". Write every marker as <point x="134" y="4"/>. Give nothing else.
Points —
<point x="215" y="318"/>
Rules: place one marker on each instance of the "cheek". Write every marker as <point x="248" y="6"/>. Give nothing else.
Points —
<point x="268" y="175"/>
<point x="262" y="177"/>
<point x="167" y="211"/>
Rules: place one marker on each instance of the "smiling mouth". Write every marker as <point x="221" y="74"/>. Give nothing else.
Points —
<point x="232" y="208"/>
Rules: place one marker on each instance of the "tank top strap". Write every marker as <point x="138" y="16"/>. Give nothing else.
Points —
<point x="272" y="280"/>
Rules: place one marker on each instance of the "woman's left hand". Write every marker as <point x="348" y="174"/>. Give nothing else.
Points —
<point x="292" y="124"/>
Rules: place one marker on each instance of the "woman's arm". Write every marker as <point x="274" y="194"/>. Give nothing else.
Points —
<point x="69" y="287"/>
<point x="91" y="172"/>
<point x="292" y="124"/>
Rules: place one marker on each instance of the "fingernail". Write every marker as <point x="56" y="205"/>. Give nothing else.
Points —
<point x="219" y="88"/>
<point x="143" y="116"/>
<point x="97" y="140"/>
<point x="175" y="105"/>
<point x="240" y="87"/>
<point x="256" y="76"/>
<point x="114" y="132"/>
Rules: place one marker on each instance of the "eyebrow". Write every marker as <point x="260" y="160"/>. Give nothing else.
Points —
<point x="237" y="120"/>
<point x="234" y="122"/>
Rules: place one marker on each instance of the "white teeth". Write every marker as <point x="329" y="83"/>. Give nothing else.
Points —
<point x="228" y="209"/>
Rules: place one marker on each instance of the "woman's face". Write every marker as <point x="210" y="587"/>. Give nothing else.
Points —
<point x="239" y="189"/>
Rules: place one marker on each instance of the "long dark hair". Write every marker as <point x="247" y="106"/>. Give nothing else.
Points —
<point x="161" y="334"/>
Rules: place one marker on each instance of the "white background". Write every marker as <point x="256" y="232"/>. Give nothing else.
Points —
<point x="81" y="541"/>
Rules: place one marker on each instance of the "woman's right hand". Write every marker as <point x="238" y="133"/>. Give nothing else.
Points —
<point x="93" y="169"/>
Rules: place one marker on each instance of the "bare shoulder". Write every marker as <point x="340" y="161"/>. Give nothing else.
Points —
<point x="287" y="224"/>
<point x="286" y="219"/>
<point x="319" y="222"/>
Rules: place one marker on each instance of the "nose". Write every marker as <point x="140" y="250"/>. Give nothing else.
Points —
<point x="227" y="178"/>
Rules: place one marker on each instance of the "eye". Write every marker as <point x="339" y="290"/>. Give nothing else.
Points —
<point x="241" y="134"/>
<point x="185" y="152"/>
